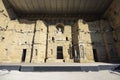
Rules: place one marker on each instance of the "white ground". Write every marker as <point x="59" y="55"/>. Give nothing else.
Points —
<point x="100" y="75"/>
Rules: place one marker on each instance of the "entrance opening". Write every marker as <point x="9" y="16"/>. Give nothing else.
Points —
<point x="95" y="55"/>
<point x="59" y="52"/>
<point x="24" y="55"/>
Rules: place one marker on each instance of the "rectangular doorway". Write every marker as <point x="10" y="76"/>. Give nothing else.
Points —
<point x="95" y="55"/>
<point x="24" y="55"/>
<point x="59" y="52"/>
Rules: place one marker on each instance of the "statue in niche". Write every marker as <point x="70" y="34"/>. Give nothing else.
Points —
<point x="60" y="28"/>
<point x="59" y="31"/>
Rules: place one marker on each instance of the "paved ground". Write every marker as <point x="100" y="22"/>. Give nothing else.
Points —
<point x="76" y="67"/>
<point x="60" y="75"/>
<point x="101" y="75"/>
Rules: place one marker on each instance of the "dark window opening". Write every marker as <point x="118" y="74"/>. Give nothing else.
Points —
<point x="53" y="38"/>
<point x="93" y="43"/>
<point x="41" y="29"/>
<point x="36" y="51"/>
<point x="3" y="38"/>
<point x="24" y="55"/>
<point x="21" y="30"/>
<point x="67" y="39"/>
<point x="95" y="55"/>
<point x="115" y="13"/>
<point x="6" y="49"/>
<point x="25" y="42"/>
<point x="59" y="52"/>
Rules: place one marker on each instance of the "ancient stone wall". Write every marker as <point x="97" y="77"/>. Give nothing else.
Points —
<point x="59" y="35"/>
<point x="39" y="42"/>
<point x="93" y="41"/>
<point x="16" y="37"/>
<point x="113" y="15"/>
<point x="35" y="41"/>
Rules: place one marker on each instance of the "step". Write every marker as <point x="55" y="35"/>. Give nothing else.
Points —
<point x="59" y="67"/>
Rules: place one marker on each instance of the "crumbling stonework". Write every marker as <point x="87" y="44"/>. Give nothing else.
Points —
<point x="35" y="41"/>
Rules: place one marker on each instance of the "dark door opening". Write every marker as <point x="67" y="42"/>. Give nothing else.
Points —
<point x="59" y="52"/>
<point x="95" y="55"/>
<point x="24" y="55"/>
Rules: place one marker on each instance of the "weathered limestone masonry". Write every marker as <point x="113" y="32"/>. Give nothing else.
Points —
<point x="14" y="37"/>
<point x="40" y="42"/>
<point x="113" y="15"/>
<point x="35" y="41"/>
<point x="59" y="36"/>
<point x="88" y="41"/>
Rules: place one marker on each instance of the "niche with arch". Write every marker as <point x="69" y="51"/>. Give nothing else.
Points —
<point x="60" y="28"/>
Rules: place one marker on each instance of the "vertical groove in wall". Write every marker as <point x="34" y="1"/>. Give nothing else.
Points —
<point x="46" y="44"/>
<point x="32" y="45"/>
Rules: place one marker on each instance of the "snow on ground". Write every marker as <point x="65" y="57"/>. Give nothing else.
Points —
<point x="100" y="75"/>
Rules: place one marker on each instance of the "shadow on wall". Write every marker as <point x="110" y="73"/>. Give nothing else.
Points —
<point x="94" y="41"/>
<point x="100" y="32"/>
<point x="10" y="11"/>
<point x="12" y="15"/>
<point x="102" y="41"/>
<point x="97" y="43"/>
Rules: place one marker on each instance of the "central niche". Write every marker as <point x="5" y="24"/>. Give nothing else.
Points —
<point x="60" y="28"/>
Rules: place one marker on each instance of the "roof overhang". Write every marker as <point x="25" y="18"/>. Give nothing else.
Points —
<point x="63" y="7"/>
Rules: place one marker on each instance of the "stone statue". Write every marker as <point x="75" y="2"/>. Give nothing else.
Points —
<point x="59" y="31"/>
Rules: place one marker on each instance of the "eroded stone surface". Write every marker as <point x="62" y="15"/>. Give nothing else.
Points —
<point x="35" y="41"/>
